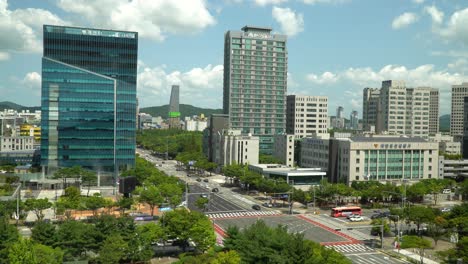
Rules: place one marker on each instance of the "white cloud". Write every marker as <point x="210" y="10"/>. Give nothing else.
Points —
<point x="152" y="19"/>
<point x="32" y="80"/>
<point x="4" y="56"/>
<point x="459" y="65"/>
<point x="436" y="15"/>
<point x="418" y="1"/>
<point x="456" y="28"/>
<point x="21" y="28"/>
<point x="313" y="2"/>
<point x="324" y="78"/>
<point x="291" y="23"/>
<point x="404" y="20"/>
<point x="355" y="79"/>
<point x="198" y="86"/>
<point x="269" y="2"/>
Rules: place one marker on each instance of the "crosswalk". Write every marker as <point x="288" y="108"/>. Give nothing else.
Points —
<point x="351" y="248"/>
<point x="242" y="214"/>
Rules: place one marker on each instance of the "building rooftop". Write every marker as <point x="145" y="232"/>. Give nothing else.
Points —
<point x="247" y="28"/>
<point x="387" y="139"/>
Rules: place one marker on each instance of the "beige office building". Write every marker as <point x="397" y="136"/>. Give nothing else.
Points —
<point x="284" y="149"/>
<point x="306" y="115"/>
<point x="402" y="110"/>
<point x="456" y="118"/>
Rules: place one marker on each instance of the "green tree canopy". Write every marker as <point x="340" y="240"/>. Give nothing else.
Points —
<point x="37" y="206"/>
<point x="262" y="244"/>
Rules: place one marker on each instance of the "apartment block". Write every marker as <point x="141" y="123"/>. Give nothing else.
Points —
<point x="459" y="92"/>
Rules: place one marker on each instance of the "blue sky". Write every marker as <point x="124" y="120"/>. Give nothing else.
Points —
<point x="336" y="47"/>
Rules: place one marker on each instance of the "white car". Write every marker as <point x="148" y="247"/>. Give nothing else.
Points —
<point x="356" y="219"/>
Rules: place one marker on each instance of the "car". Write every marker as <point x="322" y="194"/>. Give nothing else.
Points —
<point x="445" y="210"/>
<point x="205" y="180"/>
<point x="356" y="219"/>
<point x="352" y="215"/>
<point x="447" y="191"/>
<point x="269" y="205"/>
<point x="256" y="207"/>
<point x="215" y="190"/>
<point x="198" y="180"/>
<point x="204" y="195"/>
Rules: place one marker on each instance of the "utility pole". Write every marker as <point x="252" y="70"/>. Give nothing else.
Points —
<point x="313" y="188"/>
<point x="18" y="196"/>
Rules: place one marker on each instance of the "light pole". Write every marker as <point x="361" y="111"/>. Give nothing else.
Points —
<point x="17" y="203"/>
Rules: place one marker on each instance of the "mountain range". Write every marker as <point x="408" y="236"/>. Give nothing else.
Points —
<point x="188" y="110"/>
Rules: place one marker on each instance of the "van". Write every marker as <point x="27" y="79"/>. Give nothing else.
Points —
<point x="447" y="191"/>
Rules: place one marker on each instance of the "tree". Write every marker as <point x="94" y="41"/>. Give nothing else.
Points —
<point x="187" y="225"/>
<point x="88" y="178"/>
<point x="8" y="236"/>
<point x="37" y="206"/>
<point x="150" y="232"/>
<point x="437" y="228"/>
<point x="435" y="187"/>
<point x="113" y="249"/>
<point x="66" y="173"/>
<point x="262" y="244"/>
<point x="201" y="203"/>
<point x="125" y="203"/>
<point x="76" y="238"/>
<point x="150" y="195"/>
<point x="419" y="243"/>
<point x="376" y="229"/>
<point x="95" y="202"/>
<point x="26" y="251"/>
<point x="44" y="233"/>
<point x="420" y="215"/>
<point x="460" y="252"/>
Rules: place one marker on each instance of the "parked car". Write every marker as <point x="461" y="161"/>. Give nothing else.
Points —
<point x="215" y="190"/>
<point x="256" y="207"/>
<point x="356" y="219"/>
<point x="204" y="195"/>
<point x="445" y="210"/>
<point x="198" y="180"/>
<point x="269" y="205"/>
<point x="447" y="191"/>
<point x="205" y="180"/>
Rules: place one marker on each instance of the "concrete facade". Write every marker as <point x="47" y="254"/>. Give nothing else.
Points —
<point x="12" y="144"/>
<point x="232" y="147"/>
<point x="255" y="83"/>
<point x="459" y="92"/>
<point x="382" y="158"/>
<point x="302" y="178"/>
<point x="453" y="169"/>
<point x="401" y="110"/>
<point x="306" y="115"/>
<point x="284" y="149"/>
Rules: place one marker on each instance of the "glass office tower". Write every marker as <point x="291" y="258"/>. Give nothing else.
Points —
<point x="255" y="83"/>
<point x="88" y="99"/>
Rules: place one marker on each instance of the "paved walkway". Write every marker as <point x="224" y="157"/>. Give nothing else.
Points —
<point x="415" y="256"/>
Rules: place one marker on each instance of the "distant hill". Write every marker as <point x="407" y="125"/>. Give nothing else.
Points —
<point x="444" y="123"/>
<point x="9" y="105"/>
<point x="185" y="110"/>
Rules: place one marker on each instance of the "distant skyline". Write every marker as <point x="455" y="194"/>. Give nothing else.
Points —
<point x="336" y="47"/>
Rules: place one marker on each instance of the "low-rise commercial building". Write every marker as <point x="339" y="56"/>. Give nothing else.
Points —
<point x="453" y="169"/>
<point x="283" y="149"/>
<point x="383" y="158"/>
<point x="231" y="147"/>
<point x="11" y="144"/>
<point x="302" y="178"/>
<point x="447" y="144"/>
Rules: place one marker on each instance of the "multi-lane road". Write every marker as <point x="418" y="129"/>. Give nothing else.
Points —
<point x="227" y="208"/>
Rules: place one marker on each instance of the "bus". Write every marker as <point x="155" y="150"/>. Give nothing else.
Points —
<point x="345" y="211"/>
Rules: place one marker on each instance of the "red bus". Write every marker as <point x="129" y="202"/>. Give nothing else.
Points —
<point x="345" y="211"/>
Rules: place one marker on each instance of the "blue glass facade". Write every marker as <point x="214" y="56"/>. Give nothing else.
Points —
<point x="88" y="98"/>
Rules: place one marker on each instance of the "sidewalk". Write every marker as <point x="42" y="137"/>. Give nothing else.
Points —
<point x="415" y="256"/>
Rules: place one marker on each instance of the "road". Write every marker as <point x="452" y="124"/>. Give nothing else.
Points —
<point x="239" y="213"/>
<point x="216" y="202"/>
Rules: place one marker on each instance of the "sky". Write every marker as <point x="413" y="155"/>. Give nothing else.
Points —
<point x="335" y="47"/>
